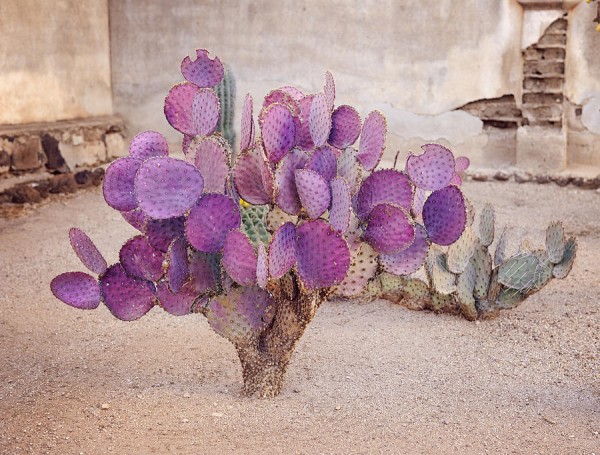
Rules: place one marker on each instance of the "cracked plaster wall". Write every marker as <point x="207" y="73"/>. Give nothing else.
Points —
<point x="416" y="60"/>
<point x="54" y="60"/>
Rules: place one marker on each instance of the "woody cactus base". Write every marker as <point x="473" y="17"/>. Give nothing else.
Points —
<point x="301" y="216"/>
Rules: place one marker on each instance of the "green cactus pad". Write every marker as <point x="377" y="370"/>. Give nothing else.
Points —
<point x="555" y="242"/>
<point x="470" y="212"/>
<point x="500" y="251"/>
<point x="443" y="281"/>
<point x="509" y="298"/>
<point x="254" y="223"/>
<point x="442" y="302"/>
<point x="562" y="269"/>
<point x="519" y="272"/>
<point x="486" y="225"/>
<point x="363" y="266"/>
<point x="482" y="263"/>
<point x="460" y="252"/>
<point x="465" y="285"/>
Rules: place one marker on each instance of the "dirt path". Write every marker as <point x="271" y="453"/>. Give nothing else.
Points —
<point x="373" y="378"/>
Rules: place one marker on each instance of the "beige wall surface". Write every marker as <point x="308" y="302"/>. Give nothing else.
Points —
<point x="54" y="60"/>
<point x="416" y="60"/>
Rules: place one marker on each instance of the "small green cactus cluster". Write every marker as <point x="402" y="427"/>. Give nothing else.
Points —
<point x="254" y="223"/>
<point x="226" y="91"/>
<point x="465" y="279"/>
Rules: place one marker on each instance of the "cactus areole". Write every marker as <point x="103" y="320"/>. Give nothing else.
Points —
<point x="256" y="245"/>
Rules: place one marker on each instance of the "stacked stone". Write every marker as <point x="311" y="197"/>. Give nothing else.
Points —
<point x="543" y="77"/>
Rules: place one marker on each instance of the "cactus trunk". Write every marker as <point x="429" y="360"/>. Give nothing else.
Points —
<point x="265" y="358"/>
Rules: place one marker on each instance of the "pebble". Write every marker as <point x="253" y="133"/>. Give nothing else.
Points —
<point x="186" y="395"/>
<point x="104" y="406"/>
<point x="217" y="414"/>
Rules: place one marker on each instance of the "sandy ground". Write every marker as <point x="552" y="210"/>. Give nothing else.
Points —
<point x="366" y="378"/>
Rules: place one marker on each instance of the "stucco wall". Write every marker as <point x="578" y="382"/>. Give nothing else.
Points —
<point x="54" y="60"/>
<point x="416" y="60"/>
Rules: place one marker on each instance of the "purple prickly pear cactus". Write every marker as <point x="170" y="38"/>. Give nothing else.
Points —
<point x="315" y="220"/>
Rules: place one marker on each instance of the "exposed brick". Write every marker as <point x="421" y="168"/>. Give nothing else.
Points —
<point x="115" y="145"/>
<point x="552" y="40"/>
<point x="84" y="178"/>
<point x="541" y="67"/>
<point x="559" y="26"/>
<point x="54" y="159"/>
<point x="4" y="161"/>
<point x="82" y="154"/>
<point x="27" y="154"/>
<point x="64" y="183"/>
<point x="547" y="113"/>
<point x="542" y="98"/>
<point x="547" y="85"/>
<point x="548" y="53"/>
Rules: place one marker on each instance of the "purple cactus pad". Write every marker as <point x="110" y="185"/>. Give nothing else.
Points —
<point x="433" y="169"/>
<point x="210" y="220"/>
<point x="324" y="162"/>
<point x="372" y="140"/>
<point x="185" y="143"/>
<point x="329" y="90"/>
<point x="243" y="313"/>
<point x="303" y="138"/>
<point x="313" y="191"/>
<point x="136" y="218"/>
<point x="282" y="250"/>
<point x="76" y="289"/>
<point x="419" y="199"/>
<point x="118" y="186"/>
<point x="148" y="144"/>
<point x="262" y="266"/>
<point x="319" y="120"/>
<point x="461" y="164"/>
<point x="456" y="180"/>
<point x="296" y="94"/>
<point x="341" y="205"/>
<point x="205" y="111"/>
<point x="161" y="233"/>
<point x="349" y="169"/>
<point x="278" y="131"/>
<point x="280" y="97"/>
<point x="178" y="107"/>
<point x="239" y="258"/>
<point x="445" y="215"/>
<point x="409" y="260"/>
<point x="179" y="303"/>
<point x="86" y="251"/>
<point x="285" y="181"/>
<point x="211" y="157"/>
<point x="386" y="186"/>
<point x="167" y="187"/>
<point x="345" y="127"/>
<point x="204" y="71"/>
<point x="141" y="260"/>
<point x="248" y="177"/>
<point x="247" y="124"/>
<point x="126" y="297"/>
<point x="390" y="229"/>
<point x="323" y="254"/>
<point x="205" y="271"/>
<point x="178" y="270"/>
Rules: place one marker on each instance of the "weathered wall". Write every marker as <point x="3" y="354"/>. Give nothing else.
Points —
<point x="582" y="86"/>
<point x="416" y="60"/>
<point x="54" y="60"/>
